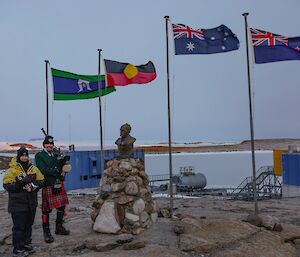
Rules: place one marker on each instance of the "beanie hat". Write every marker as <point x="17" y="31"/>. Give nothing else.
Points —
<point x="48" y="140"/>
<point x="22" y="151"/>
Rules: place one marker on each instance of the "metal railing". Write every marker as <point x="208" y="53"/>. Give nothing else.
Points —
<point x="268" y="185"/>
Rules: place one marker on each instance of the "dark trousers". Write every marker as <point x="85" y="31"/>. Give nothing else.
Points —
<point x="22" y="227"/>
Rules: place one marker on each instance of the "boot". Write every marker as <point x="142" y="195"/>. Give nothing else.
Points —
<point x="60" y="229"/>
<point x="20" y="252"/>
<point x="47" y="234"/>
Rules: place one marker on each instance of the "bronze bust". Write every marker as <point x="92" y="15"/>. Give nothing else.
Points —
<point x="125" y="142"/>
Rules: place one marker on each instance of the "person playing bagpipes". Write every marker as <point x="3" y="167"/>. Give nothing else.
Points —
<point x="22" y="181"/>
<point x="53" y="165"/>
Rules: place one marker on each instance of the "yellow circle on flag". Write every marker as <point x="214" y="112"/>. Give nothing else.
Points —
<point x="130" y="71"/>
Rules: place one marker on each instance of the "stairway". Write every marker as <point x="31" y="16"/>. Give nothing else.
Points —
<point x="267" y="185"/>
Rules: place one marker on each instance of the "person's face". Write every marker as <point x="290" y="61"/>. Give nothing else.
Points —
<point x="48" y="147"/>
<point x="24" y="158"/>
<point x="123" y="132"/>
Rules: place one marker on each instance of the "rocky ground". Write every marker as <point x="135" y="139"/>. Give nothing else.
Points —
<point x="207" y="226"/>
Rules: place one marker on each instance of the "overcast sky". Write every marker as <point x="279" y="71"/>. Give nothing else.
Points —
<point x="209" y="92"/>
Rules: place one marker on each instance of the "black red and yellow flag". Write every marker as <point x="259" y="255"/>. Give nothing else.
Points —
<point x="123" y="74"/>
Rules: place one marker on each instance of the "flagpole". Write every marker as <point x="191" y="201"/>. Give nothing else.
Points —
<point x="169" y="121"/>
<point x="47" y="96"/>
<point x="251" y="117"/>
<point x="100" y="108"/>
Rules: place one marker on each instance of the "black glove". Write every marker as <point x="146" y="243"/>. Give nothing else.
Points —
<point x="19" y="182"/>
<point x="26" y="180"/>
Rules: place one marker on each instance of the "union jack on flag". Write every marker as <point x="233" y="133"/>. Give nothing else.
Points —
<point x="265" y="38"/>
<point x="183" y="31"/>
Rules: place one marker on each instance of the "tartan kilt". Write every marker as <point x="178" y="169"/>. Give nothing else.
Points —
<point x="52" y="201"/>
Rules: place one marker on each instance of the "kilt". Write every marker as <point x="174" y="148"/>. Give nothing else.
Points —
<point x="52" y="201"/>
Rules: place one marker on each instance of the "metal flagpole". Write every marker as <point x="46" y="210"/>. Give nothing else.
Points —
<point x="47" y="100"/>
<point x="100" y="107"/>
<point x="251" y="117"/>
<point x="169" y="121"/>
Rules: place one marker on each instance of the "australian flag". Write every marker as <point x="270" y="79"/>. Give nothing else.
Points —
<point x="203" y="41"/>
<point x="270" y="47"/>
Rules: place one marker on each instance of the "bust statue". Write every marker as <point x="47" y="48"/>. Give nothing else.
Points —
<point x="125" y="142"/>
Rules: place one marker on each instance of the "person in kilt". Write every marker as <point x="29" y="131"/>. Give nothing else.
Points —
<point x="22" y="181"/>
<point x="53" y="193"/>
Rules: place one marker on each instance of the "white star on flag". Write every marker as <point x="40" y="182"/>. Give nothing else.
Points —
<point x="190" y="46"/>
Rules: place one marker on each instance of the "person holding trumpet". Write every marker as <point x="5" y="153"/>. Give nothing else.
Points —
<point x="22" y="181"/>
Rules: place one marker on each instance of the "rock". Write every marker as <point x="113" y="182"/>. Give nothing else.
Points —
<point x="139" y="181"/>
<point x="125" y="164"/>
<point x="137" y="231"/>
<point x="6" y="239"/>
<point x="146" y="224"/>
<point x="115" y="164"/>
<point x="116" y="187"/>
<point x="103" y="181"/>
<point x="144" y="216"/>
<point x="278" y="227"/>
<point x="132" y="217"/>
<point x="119" y="179"/>
<point x="143" y="192"/>
<point x="269" y="221"/>
<point x="79" y="247"/>
<point x="154" y="217"/>
<point x="106" y="221"/>
<point x="134" y="245"/>
<point x="154" y="206"/>
<point x="108" y="172"/>
<point x="103" y="247"/>
<point x="131" y="188"/>
<point x="124" y="199"/>
<point x="125" y="238"/>
<point x="138" y="206"/>
<point x="208" y="235"/>
<point x="297" y="241"/>
<point x="133" y="162"/>
<point x="91" y="244"/>
<point x="149" y="207"/>
<point x="254" y="220"/>
<point x="96" y="205"/>
<point x="193" y="243"/>
<point x="165" y="213"/>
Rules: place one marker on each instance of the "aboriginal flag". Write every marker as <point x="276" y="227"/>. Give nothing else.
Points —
<point x="123" y="74"/>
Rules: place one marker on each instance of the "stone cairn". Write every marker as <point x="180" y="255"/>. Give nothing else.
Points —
<point x="124" y="203"/>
